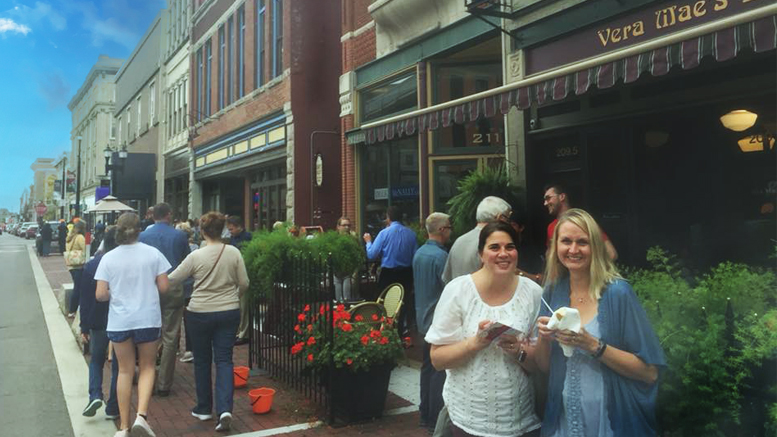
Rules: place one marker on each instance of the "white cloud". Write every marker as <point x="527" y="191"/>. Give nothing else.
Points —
<point x="41" y="15"/>
<point x="8" y="25"/>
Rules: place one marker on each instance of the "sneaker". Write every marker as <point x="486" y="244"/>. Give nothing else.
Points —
<point x="187" y="357"/>
<point x="92" y="407"/>
<point x="111" y="416"/>
<point x="122" y="433"/>
<point x="202" y="417"/>
<point x="225" y="421"/>
<point x="141" y="428"/>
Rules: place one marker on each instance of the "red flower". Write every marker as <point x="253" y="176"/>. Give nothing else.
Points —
<point x="358" y="318"/>
<point x="310" y="328"/>
<point x="310" y="357"/>
<point x="365" y="340"/>
<point x="375" y="334"/>
<point x="347" y="327"/>
<point x="301" y="317"/>
<point x="297" y="348"/>
<point x="311" y="341"/>
<point x="349" y="361"/>
<point x="374" y="317"/>
<point x="340" y="307"/>
<point x="297" y="329"/>
<point x="321" y="309"/>
<point x="384" y="340"/>
<point x="307" y="308"/>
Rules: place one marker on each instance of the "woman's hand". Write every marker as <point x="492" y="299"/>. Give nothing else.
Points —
<point x="545" y="333"/>
<point x="510" y="344"/>
<point x="478" y="343"/>
<point x="581" y="340"/>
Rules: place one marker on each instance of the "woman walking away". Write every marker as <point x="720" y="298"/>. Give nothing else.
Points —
<point x="213" y="316"/>
<point x="75" y="258"/>
<point x="606" y="385"/>
<point x="487" y="390"/>
<point x="94" y="320"/>
<point x="132" y="276"/>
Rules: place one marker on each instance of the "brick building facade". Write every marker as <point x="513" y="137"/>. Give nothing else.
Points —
<point x="263" y="106"/>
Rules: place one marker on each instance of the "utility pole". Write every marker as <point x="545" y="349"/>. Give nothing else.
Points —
<point x="64" y="187"/>
<point x="78" y="179"/>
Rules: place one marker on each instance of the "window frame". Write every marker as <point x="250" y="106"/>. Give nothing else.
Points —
<point x="222" y="60"/>
<point x="241" y="42"/>
<point x="261" y="15"/>
<point x="208" y="75"/>
<point x="277" y="38"/>
<point x="230" y="58"/>
<point x="199" y="84"/>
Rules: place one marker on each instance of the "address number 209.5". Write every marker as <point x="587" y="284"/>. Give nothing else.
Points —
<point x="564" y="152"/>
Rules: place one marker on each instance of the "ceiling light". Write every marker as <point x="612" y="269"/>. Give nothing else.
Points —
<point x="739" y="120"/>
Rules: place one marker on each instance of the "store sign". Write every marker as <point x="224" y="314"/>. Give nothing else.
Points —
<point x="404" y="192"/>
<point x="319" y="170"/>
<point x="381" y="194"/>
<point x="632" y="29"/>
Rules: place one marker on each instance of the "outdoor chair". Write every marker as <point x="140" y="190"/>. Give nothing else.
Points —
<point x="367" y="310"/>
<point x="391" y="299"/>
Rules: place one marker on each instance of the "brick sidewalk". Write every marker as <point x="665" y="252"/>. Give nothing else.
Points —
<point x="170" y="416"/>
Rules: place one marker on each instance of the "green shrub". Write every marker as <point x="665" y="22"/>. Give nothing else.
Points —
<point x="268" y="252"/>
<point x="710" y="355"/>
<point x="472" y="189"/>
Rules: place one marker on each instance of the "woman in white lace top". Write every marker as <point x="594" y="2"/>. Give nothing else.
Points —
<point x="487" y="391"/>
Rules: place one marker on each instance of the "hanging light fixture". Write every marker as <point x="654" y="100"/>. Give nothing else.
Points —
<point x="739" y="120"/>
<point x="755" y="143"/>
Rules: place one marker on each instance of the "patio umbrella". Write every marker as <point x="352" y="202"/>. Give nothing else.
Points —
<point x="109" y="204"/>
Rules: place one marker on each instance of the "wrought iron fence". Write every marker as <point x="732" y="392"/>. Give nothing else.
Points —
<point x="304" y="280"/>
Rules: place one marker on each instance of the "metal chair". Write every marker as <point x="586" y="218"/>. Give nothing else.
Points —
<point x="392" y="299"/>
<point x="367" y="310"/>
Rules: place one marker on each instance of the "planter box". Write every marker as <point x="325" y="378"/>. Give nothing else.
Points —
<point x="360" y="396"/>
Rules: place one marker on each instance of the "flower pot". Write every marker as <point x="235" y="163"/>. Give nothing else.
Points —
<point x="360" y="396"/>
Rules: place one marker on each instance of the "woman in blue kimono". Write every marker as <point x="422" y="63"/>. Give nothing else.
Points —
<point x="608" y="387"/>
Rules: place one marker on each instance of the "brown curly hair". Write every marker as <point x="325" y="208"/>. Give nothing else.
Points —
<point x="212" y="224"/>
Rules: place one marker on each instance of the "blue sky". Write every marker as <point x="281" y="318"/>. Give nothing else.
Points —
<point x="46" y="49"/>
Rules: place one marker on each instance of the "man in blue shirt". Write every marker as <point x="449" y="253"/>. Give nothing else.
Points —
<point x="395" y="246"/>
<point x="428" y="265"/>
<point x="174" y="245"/>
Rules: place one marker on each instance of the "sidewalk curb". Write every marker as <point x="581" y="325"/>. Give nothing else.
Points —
<point x="73" y="371"/>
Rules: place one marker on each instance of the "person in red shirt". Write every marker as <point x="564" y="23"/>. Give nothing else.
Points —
<point x="556" y="200"/>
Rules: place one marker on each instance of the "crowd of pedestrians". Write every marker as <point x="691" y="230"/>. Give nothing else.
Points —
<point x="145" y="278"/>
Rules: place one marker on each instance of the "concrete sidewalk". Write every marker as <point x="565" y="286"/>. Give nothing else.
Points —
<point x="291" y="414"/>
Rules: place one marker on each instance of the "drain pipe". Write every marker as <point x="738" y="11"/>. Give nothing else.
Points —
<point x="312" y="166"/>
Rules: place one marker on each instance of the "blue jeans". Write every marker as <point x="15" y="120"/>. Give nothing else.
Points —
<point x="98" y="345"/>
<point x="213" y="337"/>
<point x="75" y="298"/>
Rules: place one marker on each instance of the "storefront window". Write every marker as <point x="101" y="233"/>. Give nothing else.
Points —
<point x="447" y="174"/>
<point x="394" y="96"/>
<point x="390" y="177"/>
<point x="455" y="81"/>
<point x="268" y="191"/>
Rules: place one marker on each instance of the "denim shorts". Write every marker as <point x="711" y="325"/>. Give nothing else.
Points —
<point x="138" y="336"/>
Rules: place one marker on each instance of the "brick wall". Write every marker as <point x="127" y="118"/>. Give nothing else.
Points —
<point x="356" y="51"/>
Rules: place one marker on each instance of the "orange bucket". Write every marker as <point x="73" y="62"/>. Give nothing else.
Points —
<point x="241" y="376"/>
<point x="261" y="399"/>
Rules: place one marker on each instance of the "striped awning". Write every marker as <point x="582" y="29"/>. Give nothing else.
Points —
<point x="724" y="44"/>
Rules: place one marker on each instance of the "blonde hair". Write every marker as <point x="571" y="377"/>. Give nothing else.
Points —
<point x="127" y="228"/>
<point x="602" y="270"/>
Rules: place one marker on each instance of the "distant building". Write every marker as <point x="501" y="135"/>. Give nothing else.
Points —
<point x="92" y="115"/>
<point x="43" y="186"/>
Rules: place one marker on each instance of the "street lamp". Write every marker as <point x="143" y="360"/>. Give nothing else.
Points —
<point x="108" y="154"/>
<point x="78" y="180"/>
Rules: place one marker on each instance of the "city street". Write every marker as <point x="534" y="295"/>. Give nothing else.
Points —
<point x="36" y="402"/>
<point x="32" y="401"/>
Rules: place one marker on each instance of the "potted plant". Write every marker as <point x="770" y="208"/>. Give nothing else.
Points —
<point x="359" y="358"/>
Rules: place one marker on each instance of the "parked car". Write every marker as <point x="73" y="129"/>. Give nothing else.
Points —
<point x="31" y="232"/>
<point x="23" y="229"/>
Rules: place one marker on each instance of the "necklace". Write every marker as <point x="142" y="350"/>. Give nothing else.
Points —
<point x="580" y="299"/>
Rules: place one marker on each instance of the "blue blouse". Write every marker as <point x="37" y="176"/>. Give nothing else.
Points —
<point x="631" y="404"/>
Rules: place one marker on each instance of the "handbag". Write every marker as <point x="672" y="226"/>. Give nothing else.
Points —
<point x="74" y="258"/>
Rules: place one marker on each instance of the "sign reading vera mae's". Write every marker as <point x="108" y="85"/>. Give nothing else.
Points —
<point x="634" y="28"/>
<point x="665" y="18"/>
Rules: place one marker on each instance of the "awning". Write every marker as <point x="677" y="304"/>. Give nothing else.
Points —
<point x="723" y="39"/>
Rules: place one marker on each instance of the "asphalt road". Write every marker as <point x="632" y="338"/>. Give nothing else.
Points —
<point x="31" y="399"/>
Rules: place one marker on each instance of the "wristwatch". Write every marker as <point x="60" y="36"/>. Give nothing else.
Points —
<point x="521" y="356"/>
<point x="600" y="349"/>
